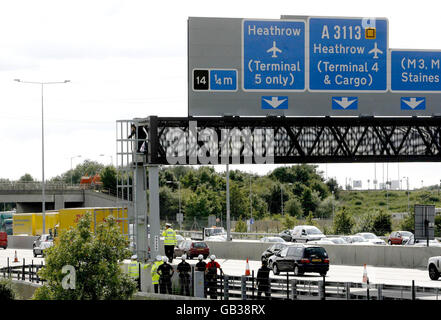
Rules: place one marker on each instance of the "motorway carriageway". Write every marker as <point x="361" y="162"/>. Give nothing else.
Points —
<point x="337" y="273"/>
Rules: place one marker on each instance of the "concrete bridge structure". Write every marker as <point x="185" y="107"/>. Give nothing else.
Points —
<point x="28" y="196"/>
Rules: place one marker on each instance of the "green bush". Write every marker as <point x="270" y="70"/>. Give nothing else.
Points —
<point x="382" y="223"/>
<point x="241" y="225"/>
<point x="95" y="257"/>
<point x="343" y="222"/>
<point x="7" y="291"/>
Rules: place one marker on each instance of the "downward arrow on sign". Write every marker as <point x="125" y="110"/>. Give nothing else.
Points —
<point x="412" y="102"/>
<point x="344" y="102"/>
<point x="274" y="102"/>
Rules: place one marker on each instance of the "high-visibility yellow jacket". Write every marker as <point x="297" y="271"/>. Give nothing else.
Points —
<point x="169" y="237"/>
<point x="155" y="274"/>
<point x="133" y="269"/>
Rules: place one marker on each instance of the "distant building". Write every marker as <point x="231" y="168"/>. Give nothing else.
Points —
<point x="399" y="215"/>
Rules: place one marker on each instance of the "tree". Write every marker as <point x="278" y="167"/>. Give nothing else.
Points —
<point x="333" y="187"/>
<point x="365" y="223"/>
<point x="289" y="222"/>
<point x="408" y="223"/>
<point x="108" y="177"/>
<point x="309" y="220"/>
<point x="26" y="178"/>
<point x="310" y="200"/>
<point x="326" y="207"/>
<point x="95" y="257"/>
<point x="343" y="222"/>
<point x="241" y="225"/>
<point x="293" y="207"/>
<point x="382" y="223"/>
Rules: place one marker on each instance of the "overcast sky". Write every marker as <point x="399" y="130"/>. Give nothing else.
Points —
<point x="128" y="59"/>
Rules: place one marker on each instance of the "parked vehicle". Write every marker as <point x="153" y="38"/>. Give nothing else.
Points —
<point x="192" y="249"/>
<point x="372" y="238"/>
<point x="422" y="242"/>
<point x="273" y="250"/>
<point x="339" y="240"/>
<point x="306" y="233"/>
<point x="434" y="267"/>
<point x="3" y="239"/>
<point x="301" y="259"/>
<point x="272" y="239"/>
<point x="42" y="243"/>
<point x="399" y="237"/>
<point x="286" y="235"/>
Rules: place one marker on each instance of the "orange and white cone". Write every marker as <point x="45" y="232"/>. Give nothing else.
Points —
<point x="365" y="275"/>
<point x="247" y="269"/>
<point x="15" y="258"/>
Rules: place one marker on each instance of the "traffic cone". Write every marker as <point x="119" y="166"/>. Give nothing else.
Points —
<point x="247" y="269"/>
<point x="15" y="258"/>
<point x="365" y="275"/>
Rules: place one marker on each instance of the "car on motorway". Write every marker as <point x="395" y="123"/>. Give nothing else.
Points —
<point x="272" y="250"/>
<point x="357" y="240"/>
<point x="434" y="267"/>
<point x="399" y="237"/>
<point x="322" y="241"/>
<point x="42" y="243"/>
<point x="338" y="240"/>
<point x="422" y="242"/>
<point x="371" y="238"/>
<point x="179" y="239"/>
<point x="306" y="233"/>
<point x="286" y="235"/>
<point x="300" y="259"/>
<point x="272" y="239"/>
<point x="192" y="249"/>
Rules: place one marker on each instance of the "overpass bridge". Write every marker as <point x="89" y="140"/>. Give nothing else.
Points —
<point x="28" y="196"/>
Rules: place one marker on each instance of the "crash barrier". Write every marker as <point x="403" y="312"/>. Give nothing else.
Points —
<point x="244" y="288"/>
<point x="21" y="242"/>
<point x="22" y="271"/>
<point x="348" y="254"/>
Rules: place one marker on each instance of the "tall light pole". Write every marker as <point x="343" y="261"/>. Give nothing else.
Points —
<point x="408" y="207"/>
<point x="71" y="173"/>
<point x="42" y="145"/>
<point x="105" y="155"/>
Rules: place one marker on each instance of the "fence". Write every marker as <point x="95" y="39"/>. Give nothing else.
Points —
<point x="25" y="272"/>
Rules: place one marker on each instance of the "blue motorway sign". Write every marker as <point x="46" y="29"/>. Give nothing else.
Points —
<point x="415" y="70"/>
<point x="273" y="55"/>
<point x="348" y="54"/>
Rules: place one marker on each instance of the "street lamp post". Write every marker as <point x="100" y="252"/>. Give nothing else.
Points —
<point x="43" y="211"/>
<point x="71" y="173"/>
<point x="111" y="158"/>
<point x="179" y="191"/>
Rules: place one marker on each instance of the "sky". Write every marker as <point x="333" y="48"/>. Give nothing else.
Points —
<point x="128" y="59"/>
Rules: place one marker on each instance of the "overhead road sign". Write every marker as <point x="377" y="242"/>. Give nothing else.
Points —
<point x="273" y="53"/>
<point x="416" y="70"/>
<point x="348" y="54"/>
<point x="246" y="67"/>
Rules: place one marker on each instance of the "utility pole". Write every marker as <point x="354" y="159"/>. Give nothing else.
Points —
<point x="228" y="202"/>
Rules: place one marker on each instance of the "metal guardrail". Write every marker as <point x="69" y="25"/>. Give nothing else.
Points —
<point x="31" y="186"/>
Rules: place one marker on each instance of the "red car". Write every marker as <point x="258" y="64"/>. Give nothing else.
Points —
<point x="399" y="237"/>
<point x="192" y="249"/>
<point x="3" y="240"/>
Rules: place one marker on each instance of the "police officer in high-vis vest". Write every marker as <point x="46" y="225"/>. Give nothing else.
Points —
<point x="133" y="270"/>
<point x="155" y="274"/>
<point x="169" y="241"/>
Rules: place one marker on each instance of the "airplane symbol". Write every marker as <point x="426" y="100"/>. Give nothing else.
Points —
<point x="375" y="51"/>
<point x="274" y="49"/>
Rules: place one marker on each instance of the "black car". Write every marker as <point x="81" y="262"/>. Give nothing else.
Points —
<point x="286" y="235"/>
<point x="273" y="250"/>
<point x="300" y="259"/>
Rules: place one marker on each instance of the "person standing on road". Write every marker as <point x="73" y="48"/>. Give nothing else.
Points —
<point x="184" y="270"/>
<point x="211" y="276"/>
<point x="155" y="274"/>
<point x="169" y="241"/>
<point x="165" y="272"/>
<point x="263" y="282"/>
<point x="201" y="266"/>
